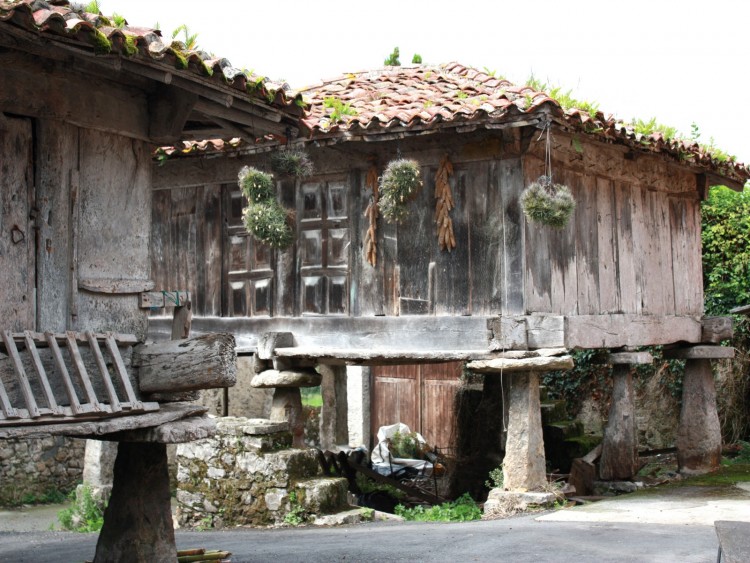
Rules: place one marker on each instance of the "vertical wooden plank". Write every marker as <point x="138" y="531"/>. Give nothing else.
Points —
<point x="606" y="212"/>
<point x="367" y="280"/>
<point x="416" y="244"/>
<point x="628" y="288"/>
<point x="538" y="281"/>
<point x="161" y="241"/>
<point x="649" y="270"/>
<point x="114" y="402"/>
<point x="510" y="286"/>
<point x="695" y="254"/>
<point x="666" y="280"/>
<point x="213" y="241"/>
<point x="680" y="260"/>
<point x="23" y="380"/>
<point x="562" y="253"/>
<point x="587" y="246"/>
<point x="394" y="397"/>
<point x="439" y="387"/>
<point x="452" y="268"/>
<point x="75" y="404"/>
<point x="16" y="233"/>
<point x="40" y="373"/>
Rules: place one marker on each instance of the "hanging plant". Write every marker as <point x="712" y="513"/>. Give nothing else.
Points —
<point x="371" y="213"/>
<point x="444" y="204"/>
<point x="544" y="201"/>
<point x="398" y="185"/>
<point x="268" y="222"/>
<point x="548" y="203"/>
<point x="292" y="162"/>
<point x="257" y="185"/>
<point x="263" y="216"/>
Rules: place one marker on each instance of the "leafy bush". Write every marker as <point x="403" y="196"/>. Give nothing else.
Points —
<point x="463" y="509"/>
<point x="292" y="162"/>
<point x="256" y="185"/>
<point x="85" y="515"/>
<point x="405" y="445"/>
<point x="267" y="221"/>
<point x="297" y="514"/>
<point x="496" y="480"/>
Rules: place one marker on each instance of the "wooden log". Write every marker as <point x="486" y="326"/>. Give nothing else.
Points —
<point x="616" y="331"/>
<point x="706" y="352"/>
<point x="508" y="333"/>
<point x="204" y="362"/>
<point x="182" y="321"/>
<point x="582" y="476"/>
<point x="117" y="286"/>
<point x="519" y="365"/>
<point x="716" y="329"/>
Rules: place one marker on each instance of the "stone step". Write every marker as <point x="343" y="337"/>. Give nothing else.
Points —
<point x="355" y="515"/>
<point x="322" y="495"/>
<point x="299" y="464"/>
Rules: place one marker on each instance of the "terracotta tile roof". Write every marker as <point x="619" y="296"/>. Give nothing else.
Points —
<point x="57" y="21"/>
<point x="417" y="98"/>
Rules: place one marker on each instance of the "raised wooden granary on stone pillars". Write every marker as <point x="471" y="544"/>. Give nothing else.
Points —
<point x="83" y="103"/>
<point x="466" y="275"/>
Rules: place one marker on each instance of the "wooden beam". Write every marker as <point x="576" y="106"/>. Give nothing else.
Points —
<point x="161" y="299"/>
<point x="115" y="286"/>
<point x="632" y="358"/>
<point x="621" y="330"/>
<point x="503" y="365"/>
<point x="717" y="329"/>
<point x="259" y="125"/>
<point x="169" y="108"/>
<point x="205" y="362"/>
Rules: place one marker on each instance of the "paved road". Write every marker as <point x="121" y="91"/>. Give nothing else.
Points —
<point x="521" y="539"/>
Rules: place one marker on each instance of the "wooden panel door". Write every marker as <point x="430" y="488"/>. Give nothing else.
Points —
<point x="323" y="222"/>
<point x="17" y="236"/>
<point x="421" y="396"/>
<point x="249" y="268"/>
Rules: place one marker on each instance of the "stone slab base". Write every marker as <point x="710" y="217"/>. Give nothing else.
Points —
<point x="607" y="488"/>
<point x="507" y="502"/>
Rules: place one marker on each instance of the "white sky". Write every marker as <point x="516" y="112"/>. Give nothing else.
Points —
<point x="680" y="61"/>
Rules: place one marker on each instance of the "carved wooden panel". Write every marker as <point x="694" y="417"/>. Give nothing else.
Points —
<point x="324" y="247"/>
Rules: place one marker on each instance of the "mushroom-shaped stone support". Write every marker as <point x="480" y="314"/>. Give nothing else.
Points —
<point x="287" y="399"/>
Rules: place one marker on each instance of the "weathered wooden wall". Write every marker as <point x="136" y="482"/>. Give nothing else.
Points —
<point x="633" y="245"/>
<point x="76" y="199"/>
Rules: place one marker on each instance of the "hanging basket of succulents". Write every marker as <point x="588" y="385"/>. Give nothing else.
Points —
<point x="399" y="184"/>
<point x="545" y="202"/>
<point x="292" y="161"/>
<point x="263" y="216"/>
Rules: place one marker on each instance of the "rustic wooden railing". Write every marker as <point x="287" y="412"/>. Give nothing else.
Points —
<point x="34" y="383"/>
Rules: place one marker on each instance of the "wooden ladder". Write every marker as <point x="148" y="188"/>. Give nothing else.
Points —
<point x="38" y="409"/>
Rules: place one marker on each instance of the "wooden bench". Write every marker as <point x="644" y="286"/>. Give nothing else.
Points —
<point x="734" y="541"/>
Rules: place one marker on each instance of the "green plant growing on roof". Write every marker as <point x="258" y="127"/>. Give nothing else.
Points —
<point x="393" y="58"/>
<point x="102" y="45"/>
<point x="131" y="48"/>
<point x="118" y="20"/>
<point x="416" y="59"/>
<point x="398" y="185"/>
<point x="338" y="107"/>
<point x="189" y="40"/>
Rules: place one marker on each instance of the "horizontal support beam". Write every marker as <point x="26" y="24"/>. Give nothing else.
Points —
<point x="115" y="286"/>
<point x="161" y="299"/>
<point x="706" y="352"/>
<point x="632" y="358"/>
<point x="504" y="365"/>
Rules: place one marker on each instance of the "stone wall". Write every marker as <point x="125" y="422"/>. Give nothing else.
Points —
<point x="246" y="474"/>
<point x="34" y="467"/>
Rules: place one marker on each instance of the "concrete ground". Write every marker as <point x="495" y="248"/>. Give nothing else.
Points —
<point x="661" y="524"/>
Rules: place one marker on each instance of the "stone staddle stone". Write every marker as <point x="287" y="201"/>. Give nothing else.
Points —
<point x="287" y="379"/>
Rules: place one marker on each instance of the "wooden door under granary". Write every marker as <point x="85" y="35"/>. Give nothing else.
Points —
<point x="422" y="396"/>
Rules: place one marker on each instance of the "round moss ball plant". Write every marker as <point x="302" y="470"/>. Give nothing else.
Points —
<point x="268" y="222"/>
<point x="292" y="162"/>
<point x="257" y="185"/>
<point x="547" y="203"/>
<point x="399" y="184"/>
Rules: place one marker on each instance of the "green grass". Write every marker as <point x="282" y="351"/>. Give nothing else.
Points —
<point x="463" y="509"/>
<point x="311" y="396"/>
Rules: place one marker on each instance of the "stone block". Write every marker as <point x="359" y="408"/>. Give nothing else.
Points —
<point x="324" y="495"/>
<point x="245" y="400"/>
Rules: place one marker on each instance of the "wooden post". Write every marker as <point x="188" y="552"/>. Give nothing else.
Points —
<point x="524" y="465"/>
<point x="138" y="520"/>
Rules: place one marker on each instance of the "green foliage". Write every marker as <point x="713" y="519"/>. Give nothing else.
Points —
<point x="367" y="486"/>
<point x="292" y="162"/>
<point x="416" y="59"/>
<point x="92" y="7"/>
<point x="256" y="185"/>
<point x="405" y="445"/>
<point x="463" y="509"/>
<point x="85" y="515"/>
<point x="726" y="250"/>
<point x="130" y="46"/>
<point x="398" y="185"/>
<point x="368" y="514"/>
<point x="102" y="45"/>
<point x="338" y="108"/>
<point x="496" y="480"/>
<point x="268" y="223"/>
<point x="189" y="40"/>
<point x="393" y="58"/>
<point x="652" y="126"/>
<point x="743" y="454"/>
<point x="297" y="514"/>
<point x="118" y="20"/>
<point x="311" y="396"/>
<point x="548" y="203"/>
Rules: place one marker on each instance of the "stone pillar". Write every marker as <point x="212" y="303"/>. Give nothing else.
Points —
<point x="287" y="407"/>
<point x="358" y="403"/>
<point x="98" y="463"/>
<point x="138" y="520"/>
<point x="334" y="427"/>
<point x="619" y="459"/>
<point x="699" y="433"/>
<point x="524" y="465"/>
